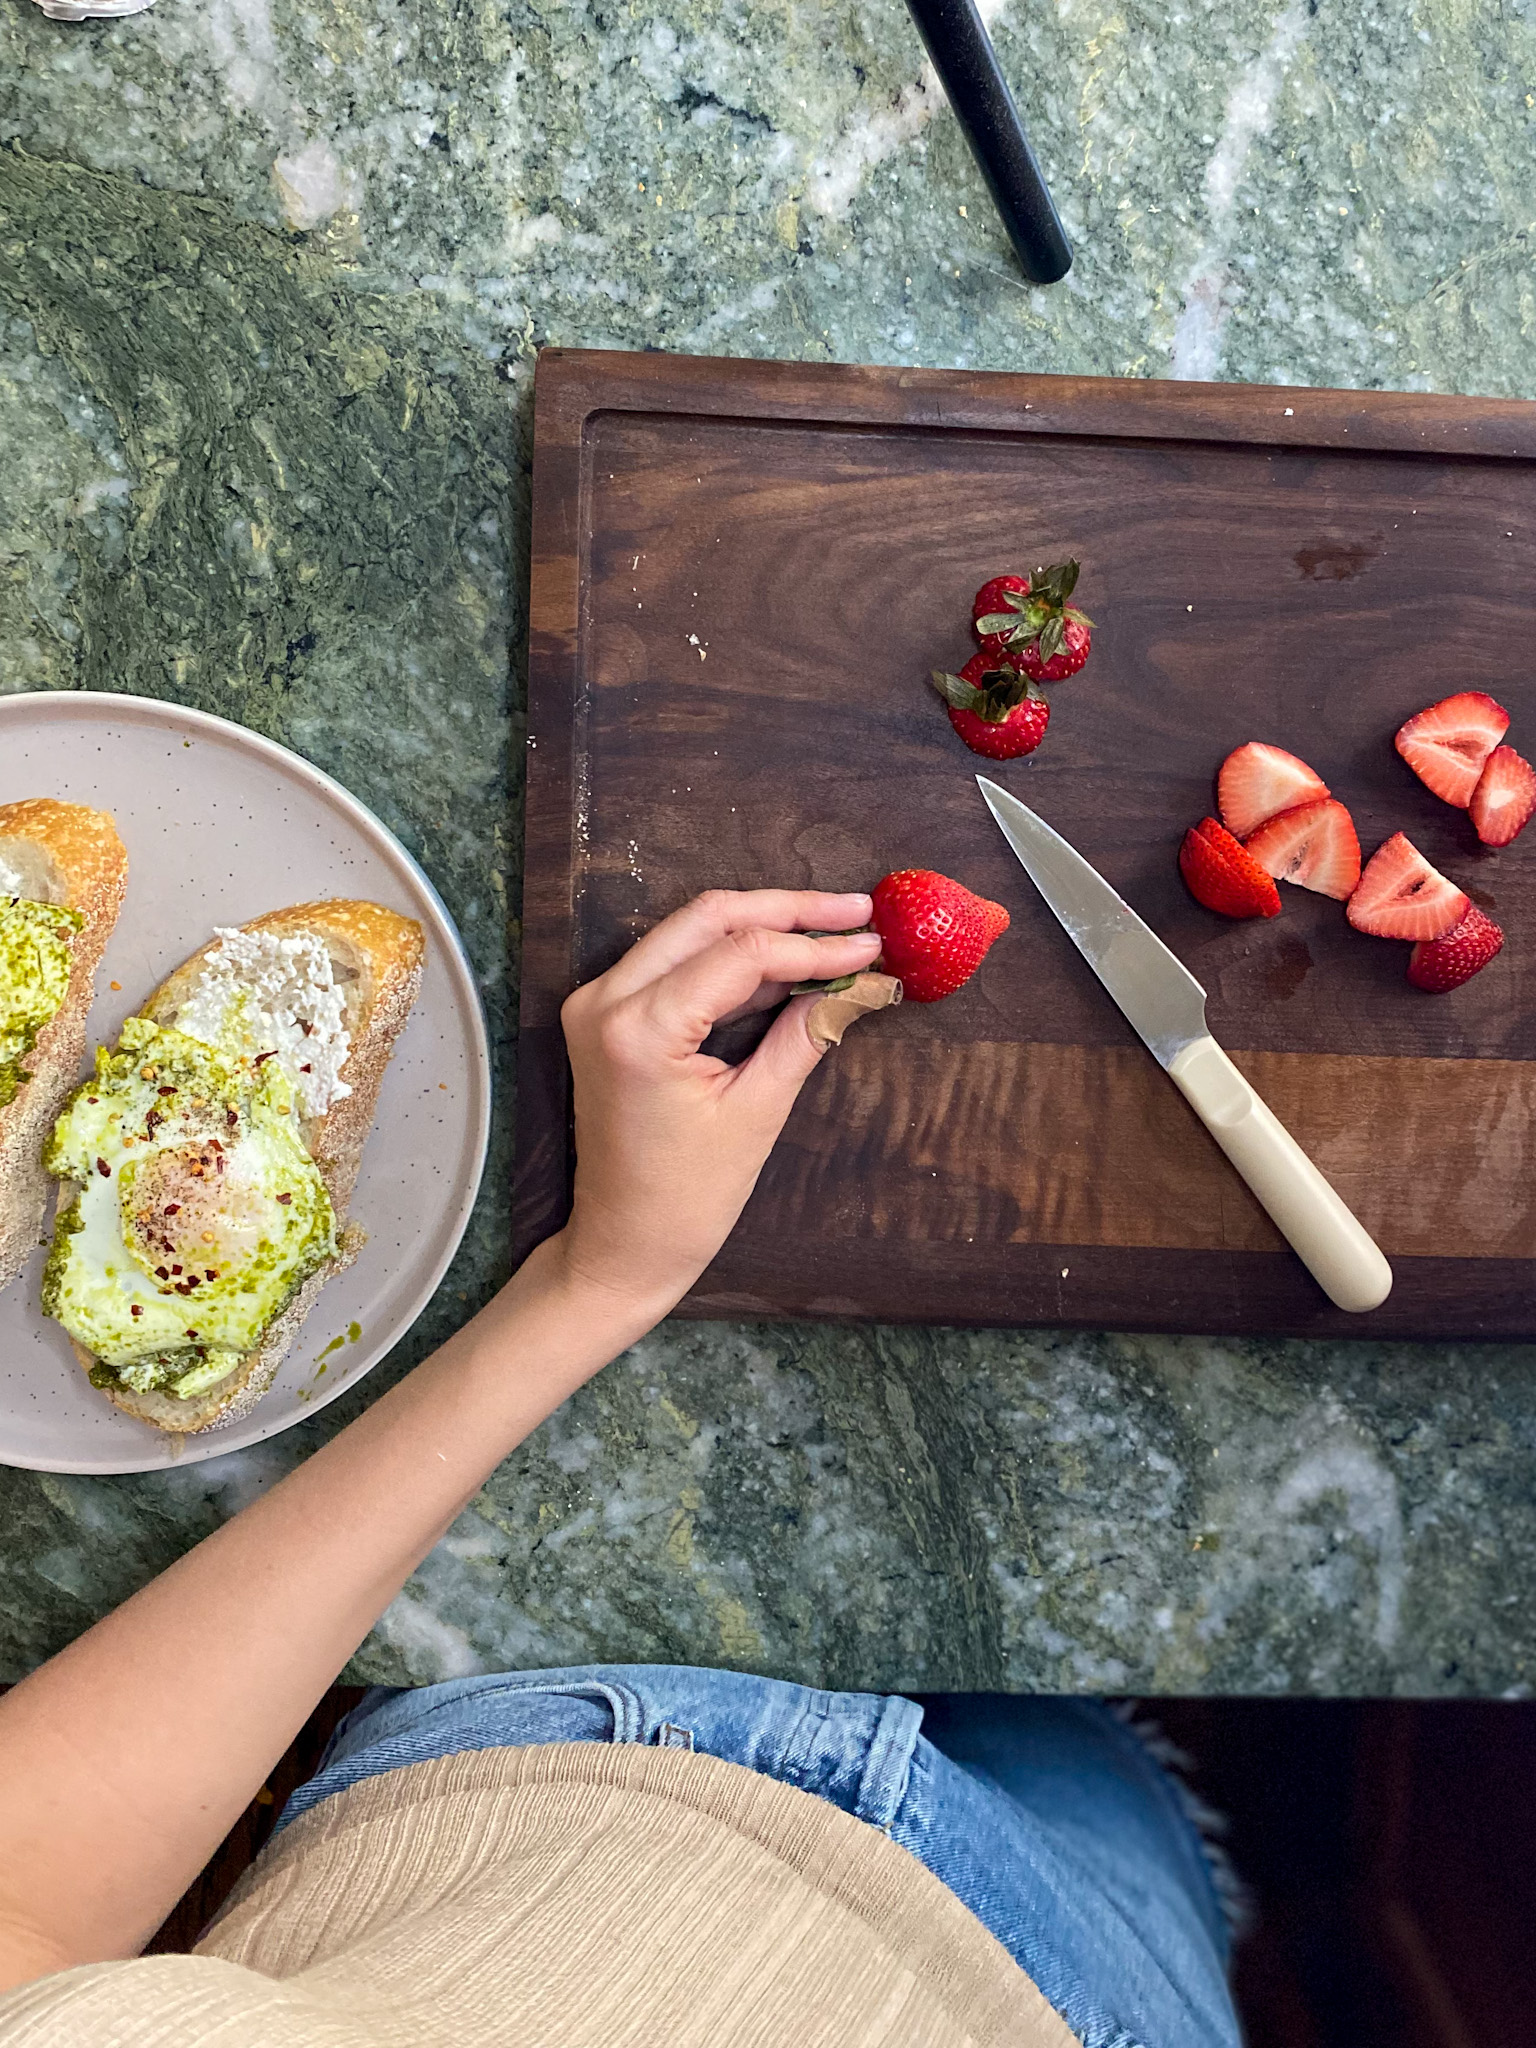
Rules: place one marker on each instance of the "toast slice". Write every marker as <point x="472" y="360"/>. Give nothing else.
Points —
<point x="70" y="857"/>
<point x="376" y="959"/>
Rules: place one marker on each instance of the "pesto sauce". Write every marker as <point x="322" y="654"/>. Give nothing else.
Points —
<point x="35" y="942"/>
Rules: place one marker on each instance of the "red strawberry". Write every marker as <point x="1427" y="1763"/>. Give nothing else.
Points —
<point x="934" y="932"/>
<point x="1223" y="875"/>
<point x="1313" y="845"/>
<point x="1029" y="619"/>
<point x="1402" y="897"/>
<point x="1436" y="965"/>
<point x="992" y="598"/>
<point x="995" y="710"/>
<point x="1504" y="798"/>
<point x="1447" y="745"/>
<point x="1257" y="781"/>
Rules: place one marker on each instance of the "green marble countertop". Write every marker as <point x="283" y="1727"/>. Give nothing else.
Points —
<point x="272" y="277"/>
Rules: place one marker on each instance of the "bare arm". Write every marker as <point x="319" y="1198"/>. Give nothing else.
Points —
<point x="125" y="1759"/>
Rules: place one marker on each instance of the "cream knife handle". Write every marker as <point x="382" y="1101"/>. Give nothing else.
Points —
<point x="1325" y="1235"/>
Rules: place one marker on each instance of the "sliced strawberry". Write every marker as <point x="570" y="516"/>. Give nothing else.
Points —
<point x="1258" y="781"/>
<point x="1447" y="745"/>
<point x="1436" y="965"/>
<point x="1222" y="875"/>
<point x="1504" y="798"/>
<point x="1402" y="897"/>
<point x="1313" y="845"/>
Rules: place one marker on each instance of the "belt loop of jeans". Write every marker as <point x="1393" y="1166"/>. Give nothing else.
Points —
<point x="889" y="1761"/>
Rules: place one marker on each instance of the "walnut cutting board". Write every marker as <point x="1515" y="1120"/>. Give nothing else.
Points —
<point x="743" y="573"/>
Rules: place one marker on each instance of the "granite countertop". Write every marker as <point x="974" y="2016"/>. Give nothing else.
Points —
<point x="272" y="278"/>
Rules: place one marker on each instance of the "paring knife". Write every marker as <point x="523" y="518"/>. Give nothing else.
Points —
<point x="1166" y="1005"/>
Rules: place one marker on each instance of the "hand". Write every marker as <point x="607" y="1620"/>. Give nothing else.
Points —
<point x="669" y="1143"/>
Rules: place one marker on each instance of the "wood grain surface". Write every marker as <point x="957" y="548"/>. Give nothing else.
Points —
<point x="743" y="573"/>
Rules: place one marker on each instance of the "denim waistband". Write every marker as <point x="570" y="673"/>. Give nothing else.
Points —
<point x="1048" y="1818"/>
<point x="852" y="1749"/>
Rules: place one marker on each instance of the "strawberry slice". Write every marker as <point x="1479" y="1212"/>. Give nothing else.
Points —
<point x="1402" y="897"/>
<point x="1504" y="798"/>
<point x="1447" y="745"/>
<point x="1259" y="780"/>
<point x="1436" y="965"/>
<point x="1313" y="845"/>
<point x="1220" y="873"/>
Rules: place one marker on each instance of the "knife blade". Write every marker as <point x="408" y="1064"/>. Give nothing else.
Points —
<point x="1166" y="1007"/>
<point x="1159" y="996"/>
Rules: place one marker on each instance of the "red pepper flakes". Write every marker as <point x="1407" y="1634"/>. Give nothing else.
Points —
<point x="285" y="1199"/>
<point x="102" y="1167"/>
<point x="173" y="1208"/>
<point x="135" y="1310"/>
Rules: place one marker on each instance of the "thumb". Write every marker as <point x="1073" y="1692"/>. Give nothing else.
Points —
<point x="782" y="1064"/>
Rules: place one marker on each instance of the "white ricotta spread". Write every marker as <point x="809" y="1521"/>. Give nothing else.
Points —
<point x="262" y="993"/>
<point x="11" y="883"/>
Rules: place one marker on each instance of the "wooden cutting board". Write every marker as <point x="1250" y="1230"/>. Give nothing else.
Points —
<point x="742" y="576"/>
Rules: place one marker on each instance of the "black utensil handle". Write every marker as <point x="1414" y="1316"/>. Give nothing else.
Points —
<point x="967" y="64"/>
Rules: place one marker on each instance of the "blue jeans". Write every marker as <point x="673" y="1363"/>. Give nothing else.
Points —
<point x="1048" y="1818"/>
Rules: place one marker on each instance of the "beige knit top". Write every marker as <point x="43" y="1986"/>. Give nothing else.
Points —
<point x="574" y="1895"/>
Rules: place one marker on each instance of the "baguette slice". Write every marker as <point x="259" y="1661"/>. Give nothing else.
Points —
<point x="71" y="856"/>
<point x="376" y="959"/>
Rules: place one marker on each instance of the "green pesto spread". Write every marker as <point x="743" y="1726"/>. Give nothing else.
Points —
<point x="197" y="1215"/>
<point x="35" y="942"/>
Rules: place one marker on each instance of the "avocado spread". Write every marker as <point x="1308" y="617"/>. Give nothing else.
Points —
<point x="199" y="1211"/>
<point x="35" y="941"/>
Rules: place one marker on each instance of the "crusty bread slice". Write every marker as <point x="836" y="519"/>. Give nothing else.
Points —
<point x="70" y="855"/>
<point x="376" y="958"/>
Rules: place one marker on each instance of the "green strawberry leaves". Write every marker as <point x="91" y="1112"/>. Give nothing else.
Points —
<point x="839" y="982"/>
<point x="1039" y="613"/>
<point x="1001" y="690"/>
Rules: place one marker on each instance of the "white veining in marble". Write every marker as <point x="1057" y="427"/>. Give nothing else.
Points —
<point x="1250" y="115"/>
<point x="91" y="10"/>
<point x="876" y="133"/>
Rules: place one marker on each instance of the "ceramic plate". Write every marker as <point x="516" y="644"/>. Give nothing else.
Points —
<point x="221" y="825"/>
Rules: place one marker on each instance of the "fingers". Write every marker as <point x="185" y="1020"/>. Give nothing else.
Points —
<point x="684" y="1005"/>
<point x="719" y="913"/>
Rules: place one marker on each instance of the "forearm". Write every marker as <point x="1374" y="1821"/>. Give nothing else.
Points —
<point x="125" y="1760"/>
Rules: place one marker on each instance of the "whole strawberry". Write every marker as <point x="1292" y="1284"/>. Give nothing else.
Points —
<point x="994" y="599"/>
<point x="1029" y="619"/>
<point x="995" y="710"/>
<point x="934" y="932"/>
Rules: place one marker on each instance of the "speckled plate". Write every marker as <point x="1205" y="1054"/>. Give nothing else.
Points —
<point x="221" y="825"/>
